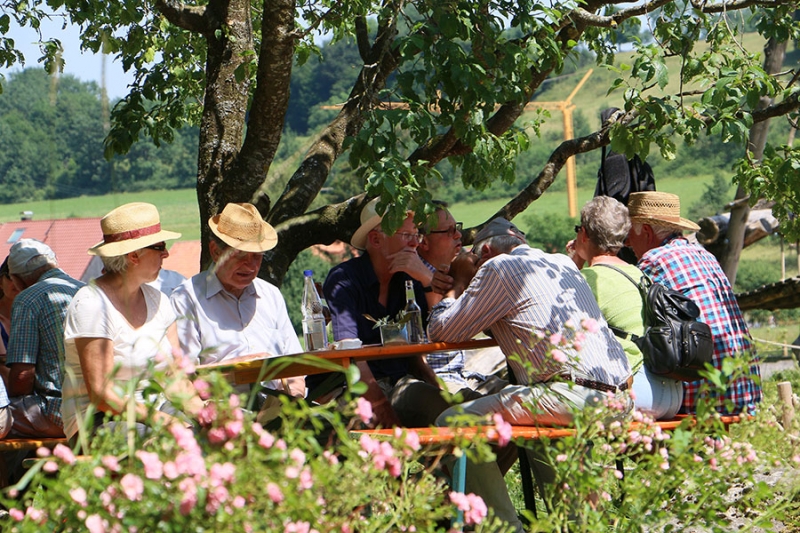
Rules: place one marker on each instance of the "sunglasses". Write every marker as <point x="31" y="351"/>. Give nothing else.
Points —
<point x="158" y="247"/>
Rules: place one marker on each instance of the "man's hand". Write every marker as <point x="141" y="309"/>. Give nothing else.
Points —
<point x="573" y="254"/>
<point x="462" y="270"/>
<point x="409" y="262"/>
<point x="442" y="282"/>
<point x="383" y="414"/>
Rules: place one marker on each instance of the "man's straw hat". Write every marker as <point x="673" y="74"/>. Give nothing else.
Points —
<point x="369" y="221"/>
<point x="658" y="209"/>
<point x="130" y="227"/>
<point x="240" y="226"/>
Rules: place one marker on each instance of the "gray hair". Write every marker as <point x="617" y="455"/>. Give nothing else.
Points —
<point x="501" y="244"/>
<point x="606" y="223"/>
<point x="32" y="277"/>
<point x="661" y="232"/>
<point x="115" y="265"/>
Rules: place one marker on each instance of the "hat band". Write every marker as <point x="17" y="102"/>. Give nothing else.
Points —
<point x="132" y="234"/>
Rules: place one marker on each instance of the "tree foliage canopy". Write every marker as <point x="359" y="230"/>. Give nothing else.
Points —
<point x="465" y="70"/>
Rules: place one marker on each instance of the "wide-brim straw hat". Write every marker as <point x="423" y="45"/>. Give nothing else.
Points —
<point x="130" y="227"/>
<point x="240" y="226"/>
<point x="370" y="220"/>
<point x="658" y="209"/>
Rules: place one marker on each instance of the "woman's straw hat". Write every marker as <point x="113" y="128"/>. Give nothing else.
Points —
<point x="240" y="226"/>
<point x="658" y="209"/>
<point x="130" y="227"/>
<point x="369" y="221"/>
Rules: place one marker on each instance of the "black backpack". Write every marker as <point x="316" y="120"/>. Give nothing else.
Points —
<point x="618" y="176"/>
<point x="674" y="344"/>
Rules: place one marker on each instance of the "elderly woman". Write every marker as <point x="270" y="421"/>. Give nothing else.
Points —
<point x="117" y="326"/>
<point x="602" y="233"/>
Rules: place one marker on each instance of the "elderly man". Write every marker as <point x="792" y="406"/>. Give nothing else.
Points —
<point x="670" y="259"/>
<point x="227" y="311"/>
<point x="440" y="245"/>
<point x="36" y="345"/>
<point x="535" y="305"/>
<point x="403" y="391"/>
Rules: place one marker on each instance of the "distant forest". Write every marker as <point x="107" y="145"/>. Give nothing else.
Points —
<point x="52" y="141"/>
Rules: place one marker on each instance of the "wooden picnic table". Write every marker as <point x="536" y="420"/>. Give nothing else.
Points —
<point x="259" y="367"/>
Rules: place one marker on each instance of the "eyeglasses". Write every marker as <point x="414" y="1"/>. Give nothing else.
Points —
<point x="578" y="228"/>
<point x="409" y="237"/>
<point x="451" y="230"/>
<point x="158" y="247"/>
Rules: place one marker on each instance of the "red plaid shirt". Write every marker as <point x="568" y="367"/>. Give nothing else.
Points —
<point x="693" y="271"/>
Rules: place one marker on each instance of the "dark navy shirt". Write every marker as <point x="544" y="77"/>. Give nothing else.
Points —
<point x="351" y="290"/>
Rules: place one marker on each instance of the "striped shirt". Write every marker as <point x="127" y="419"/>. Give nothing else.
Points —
<point x="37" y="335"/>
<point x="534" y="303"/>
<point x="695" y="272"/>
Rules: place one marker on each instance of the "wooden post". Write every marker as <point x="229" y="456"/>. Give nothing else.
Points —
<point x="785" y="397"/>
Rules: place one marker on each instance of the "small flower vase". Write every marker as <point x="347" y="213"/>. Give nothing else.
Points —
<point x="394" y="334"/>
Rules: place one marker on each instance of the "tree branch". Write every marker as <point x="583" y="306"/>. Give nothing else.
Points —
<point x="612" y="21"/>
<point x="192" y="18"/>
<point x="735" y="5"/>
<point x="270" y="97"/>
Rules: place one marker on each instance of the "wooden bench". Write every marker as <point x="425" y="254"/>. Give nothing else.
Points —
<point x="17" y="445"/>
<point x="446" y="436"/>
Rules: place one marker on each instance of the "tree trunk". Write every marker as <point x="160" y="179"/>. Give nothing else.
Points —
<point x="774" y="52"/>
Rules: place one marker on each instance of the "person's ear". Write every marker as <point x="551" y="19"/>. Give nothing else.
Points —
<point x="374" y="238"/>
<point x="213" y="251"/>
<point x="133" y="257"/>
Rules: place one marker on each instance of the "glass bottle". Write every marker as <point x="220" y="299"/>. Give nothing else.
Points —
<point x="314" y="334"/>
<point x="416" y="333"/>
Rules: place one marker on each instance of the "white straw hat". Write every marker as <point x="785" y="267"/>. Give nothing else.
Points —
<point x="658" y="209"/>
<point x="240" y="226"/>
<point x="130" y="227"/>
<point x="370" y="219"/>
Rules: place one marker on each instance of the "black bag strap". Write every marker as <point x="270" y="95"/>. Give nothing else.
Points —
<point x="621" y="333"/>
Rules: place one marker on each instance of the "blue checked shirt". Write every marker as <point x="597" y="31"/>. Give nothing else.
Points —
<point x="37" y="335"/>
<point x="524" y="297"/>
<point x="693" y="271"/>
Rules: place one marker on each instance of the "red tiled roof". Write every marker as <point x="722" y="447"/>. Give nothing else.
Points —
<point x="184" y="257"/>
<point x="69" y="238"/>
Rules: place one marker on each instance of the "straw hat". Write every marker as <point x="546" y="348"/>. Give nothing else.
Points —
<point x="369" y="221"/>
<point x="240" y="226"/>
<point x="130" y="227"/>
<point x="658" y="209"/>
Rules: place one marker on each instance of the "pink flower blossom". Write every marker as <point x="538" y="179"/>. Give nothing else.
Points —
<point x="190" y="464"/>
<point x="266" y="440"/>
<point x="274" y="493"/>
<point x="37" y="515"/>
<point x="217" y="435"/>
<point x="306" y="481"/>
<point x="222" y="473"/>
<point x="331" y="457"/>
<point x="233" y="428"/>
<point x="95" y="524"/>
<point x="189" y="500"/>
<point x="207" y="414"/>
<point x="298" y="456"/>
<point x="153" y="468"/>
<point x="556" y="338"/>
<point x="560" y="458"/>
<point x="170" y="470"/>
<point x="412" y="440"/>
<point x="43" y="452"/>
<point x="78" y="495"/>
<point x="110" y="462"/>
<point x="216" y="497"/>
<point x="280" y="444"/>
<point x="16" y="514"/>
<point x="99" y="472"/>
<point x="472" y="506"/>
<point x="559" y="356"/>
<point x="50" y="467"/>
<point x="590" y="325"/>
<point x="239" y="502"/>
<point x="364" y="410"/>
<point x="292" y="472"/>
<point x="504" y="430"/>
<point x="182" y="361"/>
<point x="133" y="486"/>
<point x="203" y="388"/>
<point x="64" y="453"/>
<point x="234" y="401"/>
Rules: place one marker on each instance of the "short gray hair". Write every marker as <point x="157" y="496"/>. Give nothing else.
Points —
<point x="606" y="223"/>
<point x="661" y="232"/>
<point x="115" y="265"/>
<point x="501" y="244"/>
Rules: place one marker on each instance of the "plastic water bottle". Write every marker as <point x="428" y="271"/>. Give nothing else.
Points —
<point x="416" y="333"/>
<point x="314" y="333"/>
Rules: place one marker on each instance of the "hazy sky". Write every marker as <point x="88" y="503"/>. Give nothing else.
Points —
<point x="84" y="66"/>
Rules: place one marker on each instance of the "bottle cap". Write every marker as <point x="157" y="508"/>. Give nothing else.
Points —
<point x="308" y="272"/>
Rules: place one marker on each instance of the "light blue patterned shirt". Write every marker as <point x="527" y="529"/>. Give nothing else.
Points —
<point x="37" y="335"/>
